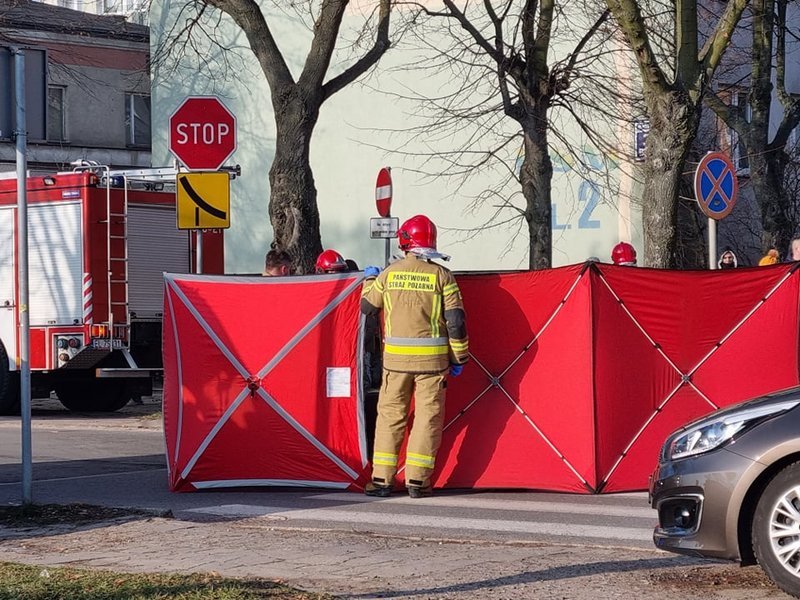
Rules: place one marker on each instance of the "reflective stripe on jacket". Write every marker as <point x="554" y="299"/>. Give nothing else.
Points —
<point x="424" y="325"/>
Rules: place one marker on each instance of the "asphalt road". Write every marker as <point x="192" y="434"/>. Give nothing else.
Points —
<point x="457" y="544"/>
<point x="118" y="460"/>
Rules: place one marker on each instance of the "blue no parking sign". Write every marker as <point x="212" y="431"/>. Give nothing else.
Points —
<point x="715" y="185"/>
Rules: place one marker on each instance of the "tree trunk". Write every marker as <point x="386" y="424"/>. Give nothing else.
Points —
<point x="766" y="177"/>
<point x="674" y="120"/>
<point x="536" y="176"/>
<point x="293" y="208"/>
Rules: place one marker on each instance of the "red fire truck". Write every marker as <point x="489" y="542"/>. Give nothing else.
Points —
<point x="98" y="243"/>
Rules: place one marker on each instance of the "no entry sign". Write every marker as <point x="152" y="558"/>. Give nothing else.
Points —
<point x="383" y="192"/>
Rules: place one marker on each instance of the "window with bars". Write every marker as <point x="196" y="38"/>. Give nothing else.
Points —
<point x="738" y="150"/>
<point x="56" y="113"/>
<point x="137" y="120"/>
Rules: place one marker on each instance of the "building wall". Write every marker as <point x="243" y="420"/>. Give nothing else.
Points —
<point x="96" y="74"/>
<point x="368" y="126"/>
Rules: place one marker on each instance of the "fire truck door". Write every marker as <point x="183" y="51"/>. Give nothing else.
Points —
<point x="55" y="256"/>
<point x="8" y="321"/>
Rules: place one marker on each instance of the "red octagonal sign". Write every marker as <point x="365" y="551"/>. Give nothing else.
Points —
<point x="202" y="133"/>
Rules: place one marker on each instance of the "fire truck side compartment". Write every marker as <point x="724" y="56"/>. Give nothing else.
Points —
<point x="72" y="236"/>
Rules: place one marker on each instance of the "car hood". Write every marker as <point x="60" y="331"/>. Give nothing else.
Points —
<point x="773" y="398"/>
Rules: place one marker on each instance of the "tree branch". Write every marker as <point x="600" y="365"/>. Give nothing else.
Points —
<point x="363" y="64"/>
<point x="630" y="20"/>
<point x="731" y="115"/>
<point x="780" y="55"/>
<point x="790" y="121"/>
<point x="542" y="42"/>
<point x="573" y="57"/>
<point x="326" y="32"/>
<point x="465" y="23"/>
<point x="686" y="43"/>
<point x="509" y="108"/>
<point x="714" y="48"/>
<point x="247" y="15"/>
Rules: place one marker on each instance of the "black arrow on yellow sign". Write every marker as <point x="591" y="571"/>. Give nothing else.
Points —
<point x="203" y="200"/>
<point x="201" y="204"/>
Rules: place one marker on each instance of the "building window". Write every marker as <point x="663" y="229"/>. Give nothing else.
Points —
<point x="73" y="4"/>
<point x="120" y="7"/>
<point x="56" y="131"/>
<point x="137" y="120"/>
<point x="738" y="151"/>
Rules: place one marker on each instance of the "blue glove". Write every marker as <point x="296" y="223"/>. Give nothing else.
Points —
<point x="455" y="370"/>
<point x="372" y="271"/>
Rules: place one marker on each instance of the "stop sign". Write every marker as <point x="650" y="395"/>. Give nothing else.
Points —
<point x="202" y="133"/>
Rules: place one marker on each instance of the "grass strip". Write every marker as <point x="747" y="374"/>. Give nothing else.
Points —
<point x="39" y="515"/>
<point x="25" y="582"/>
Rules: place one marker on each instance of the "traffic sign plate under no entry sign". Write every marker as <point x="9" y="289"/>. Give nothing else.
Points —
<point x="383" y="227"/>
<point x="715" y="185"/>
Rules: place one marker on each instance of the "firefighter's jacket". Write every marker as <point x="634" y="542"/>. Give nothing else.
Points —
<point x="424" y="325"/>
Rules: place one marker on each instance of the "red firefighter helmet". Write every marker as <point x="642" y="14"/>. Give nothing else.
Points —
<point x="623" y="254"/>
<point x="330" y="261"/>
<point x="418" y="232"/>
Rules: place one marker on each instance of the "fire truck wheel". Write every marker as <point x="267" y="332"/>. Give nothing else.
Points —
<point x="93" y="395"/>
<point x="9" y="386"/>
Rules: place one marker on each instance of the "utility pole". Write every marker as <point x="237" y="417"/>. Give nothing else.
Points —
<point x="24" y="323"/>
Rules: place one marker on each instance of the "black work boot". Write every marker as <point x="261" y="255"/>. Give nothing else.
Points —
<point x="378" y="491"/>
<point x="420" y="492"/>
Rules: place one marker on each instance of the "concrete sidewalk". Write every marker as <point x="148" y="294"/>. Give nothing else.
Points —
<point x="363" y="566"/>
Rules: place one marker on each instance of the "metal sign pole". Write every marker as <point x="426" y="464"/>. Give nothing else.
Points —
<point x="715" y="189"/>
<point x="388" y="250"/>
<point x="383" y="201"/>
<point x="712" y="243"/>
<point x="24" y="324"/>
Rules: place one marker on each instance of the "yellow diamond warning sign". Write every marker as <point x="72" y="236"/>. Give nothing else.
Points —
<point x="204" y="201"/>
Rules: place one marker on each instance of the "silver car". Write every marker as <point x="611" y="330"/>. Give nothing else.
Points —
<point x="728" y="486"/>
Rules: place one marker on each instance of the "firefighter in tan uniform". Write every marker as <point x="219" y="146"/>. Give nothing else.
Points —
<point x="425" y="336"/>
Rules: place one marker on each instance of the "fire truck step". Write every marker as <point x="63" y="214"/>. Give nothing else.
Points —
<point x="118" y="237"/>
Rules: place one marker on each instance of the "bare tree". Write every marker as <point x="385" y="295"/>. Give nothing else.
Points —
<point x="496" y="58"/>
<point x="767" y="159"/>
<point x="296" y="101"/>
<point x="673" y="93"/>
